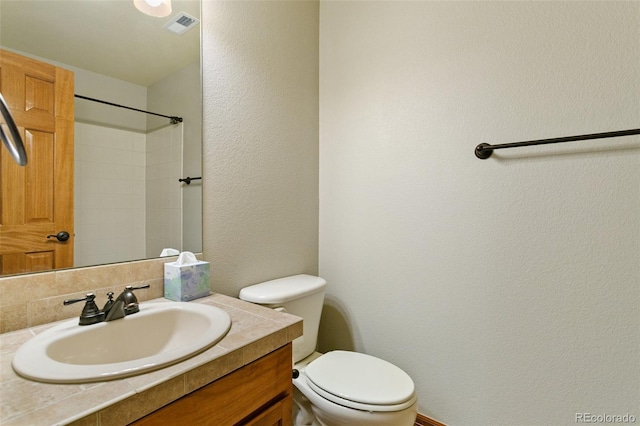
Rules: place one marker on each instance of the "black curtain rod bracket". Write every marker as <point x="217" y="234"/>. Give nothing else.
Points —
<point x="484" y="150"/>
<point x="173" y="119"/>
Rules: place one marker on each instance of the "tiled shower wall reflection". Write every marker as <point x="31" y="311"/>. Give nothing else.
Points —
<point x="164" y="192"/>
<point x="127" y="194"/>
<point x="109" y="195"/>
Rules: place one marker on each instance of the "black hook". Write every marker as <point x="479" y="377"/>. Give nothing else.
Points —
<point x="188" y="179"/>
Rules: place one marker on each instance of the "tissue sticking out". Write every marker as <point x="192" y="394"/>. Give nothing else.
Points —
<point x="169" y="252"/>
<point x="187" y="278"/>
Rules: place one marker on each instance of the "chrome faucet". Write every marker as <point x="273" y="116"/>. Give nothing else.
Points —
<point x="125" y="304"/>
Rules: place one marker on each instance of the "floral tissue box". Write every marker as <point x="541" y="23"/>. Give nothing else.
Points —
<point x="186" y="280"/>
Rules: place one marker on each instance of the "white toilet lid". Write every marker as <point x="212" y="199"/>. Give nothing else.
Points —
<point x="360" y="378"/>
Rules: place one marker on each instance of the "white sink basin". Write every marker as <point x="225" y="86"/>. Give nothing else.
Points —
<point x="159" y="335"/>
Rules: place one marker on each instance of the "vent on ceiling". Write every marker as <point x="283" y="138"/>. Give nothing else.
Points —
<point x="181" y="23"/>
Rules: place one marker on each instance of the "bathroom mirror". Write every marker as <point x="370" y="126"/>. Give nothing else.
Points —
<point x="128" y="202"/>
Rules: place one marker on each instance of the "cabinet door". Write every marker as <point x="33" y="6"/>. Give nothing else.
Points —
<point x="278" y="414"/>
<point x="259" y="393"/>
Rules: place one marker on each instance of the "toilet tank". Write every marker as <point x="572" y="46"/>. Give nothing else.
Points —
<point x="300" y="295"/>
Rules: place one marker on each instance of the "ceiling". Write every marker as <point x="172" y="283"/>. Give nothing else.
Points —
<point x="110" y="37"/>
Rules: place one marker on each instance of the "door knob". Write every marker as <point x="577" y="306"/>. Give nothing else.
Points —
<point x="60" y="236"/>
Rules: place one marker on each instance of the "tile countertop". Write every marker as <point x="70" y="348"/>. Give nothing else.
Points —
<point x="255" y="331"/>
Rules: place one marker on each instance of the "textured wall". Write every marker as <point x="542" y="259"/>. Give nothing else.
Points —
<point x="507" y="288"/>
<point x="260" y="137"/>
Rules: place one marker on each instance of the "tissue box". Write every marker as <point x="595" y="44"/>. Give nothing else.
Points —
<point x="186" y="282"/>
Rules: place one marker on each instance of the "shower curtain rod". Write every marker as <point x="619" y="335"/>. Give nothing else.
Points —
<point x="174" y="119"/>
<point x="484" y="150"/>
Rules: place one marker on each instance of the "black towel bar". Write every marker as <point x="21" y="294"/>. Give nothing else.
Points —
<point x="484" y="150"/>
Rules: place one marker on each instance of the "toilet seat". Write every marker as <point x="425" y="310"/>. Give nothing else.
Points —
<point x="360" y="381"/>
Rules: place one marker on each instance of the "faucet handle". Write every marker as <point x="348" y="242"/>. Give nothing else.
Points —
<point x="90" y="313"/>
<point x="128" y="295"/>
<point x="130" y="300"/>
<point x="129" y="287"/>
<point x="89" y="298"/>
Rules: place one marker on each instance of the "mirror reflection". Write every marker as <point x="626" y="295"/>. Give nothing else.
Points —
<point x="127" y="200"/>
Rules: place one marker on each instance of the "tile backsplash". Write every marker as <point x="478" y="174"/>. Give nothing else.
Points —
<point x="34" y="299"/>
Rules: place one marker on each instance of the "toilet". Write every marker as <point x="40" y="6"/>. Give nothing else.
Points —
<point x="338" y="388"/>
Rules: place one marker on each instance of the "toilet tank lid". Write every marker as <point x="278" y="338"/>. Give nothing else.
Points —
<point x="283" y="290"/>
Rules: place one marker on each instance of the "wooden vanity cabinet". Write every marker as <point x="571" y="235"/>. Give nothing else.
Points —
<point x="258" y="394"/>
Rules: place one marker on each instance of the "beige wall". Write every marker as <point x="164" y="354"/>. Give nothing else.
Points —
<point x="98" y="86"/>
<point x="507" y="288"/>
<point x="260" y="160"/>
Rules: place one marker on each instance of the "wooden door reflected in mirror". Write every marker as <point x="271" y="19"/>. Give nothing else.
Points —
<point x="36" y="201"/>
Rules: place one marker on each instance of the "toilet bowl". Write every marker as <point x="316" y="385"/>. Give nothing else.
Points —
<point x="350" y="388"/>
<point x="338" y="388"/>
